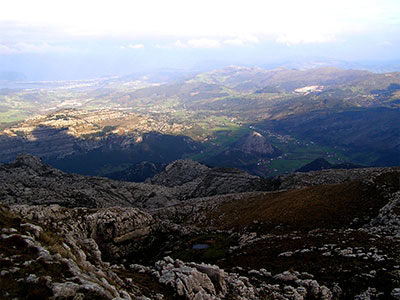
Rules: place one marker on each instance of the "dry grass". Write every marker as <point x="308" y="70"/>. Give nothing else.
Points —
<point x="54" y="244"/>
<point x="325" y="206"/>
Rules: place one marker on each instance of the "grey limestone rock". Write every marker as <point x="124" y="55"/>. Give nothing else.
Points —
<point x="179" y="172"/>
<point x="396" y="293"/>
<point x="29" y="181"/>
<point x="300" y="180"/>
<point x="118" y="230"/>
<point x="388" y="220"/>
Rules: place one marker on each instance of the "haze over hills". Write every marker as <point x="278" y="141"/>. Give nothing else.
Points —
<point x="263" y="121"/>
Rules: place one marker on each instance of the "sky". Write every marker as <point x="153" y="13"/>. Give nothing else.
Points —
<point x="72" y="39"/>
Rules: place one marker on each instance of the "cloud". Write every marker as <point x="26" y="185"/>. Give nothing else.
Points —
<point x="178" y="44"/>
<point x="204" y="43"/>
<point x="291" y="22"/>
<point x="43" y="25"/>
<point x="385" y="44"/>
<point x="305" y="38"/>
<point x="4" y="49"/>
<point x="242" y="41"/>
<point x="23" y="47"/>
<point x="136" y="46"/>
<point x="208" y="43"/>
<point x="132" y="46"/>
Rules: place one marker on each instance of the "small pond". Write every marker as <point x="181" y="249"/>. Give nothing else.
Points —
<point x="200" y="246"/>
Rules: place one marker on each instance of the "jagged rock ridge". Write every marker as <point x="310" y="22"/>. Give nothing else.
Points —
<point x="28" y="180"/>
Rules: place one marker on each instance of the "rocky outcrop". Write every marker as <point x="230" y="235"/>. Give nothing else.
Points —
<point x="59" y="261"/>
<point x="104" y="251"/>
<point x="300" y="180"/>
<point x="120" y="231"/>
<point x="29" y="181"/>
<point x="116" y="231"/>
<point x="194" y="180"/>
<point x="179" y="172"/>
<point x="219" y="181"/>
<point x="78" y="241"/>
<point x="388" y="220"/>
<point x="195" y="281"/>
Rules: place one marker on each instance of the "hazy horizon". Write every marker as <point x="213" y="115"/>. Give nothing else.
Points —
<point x="48" y="40"/>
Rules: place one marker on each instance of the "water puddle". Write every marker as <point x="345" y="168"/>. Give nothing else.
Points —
<point x="200" y="246"/>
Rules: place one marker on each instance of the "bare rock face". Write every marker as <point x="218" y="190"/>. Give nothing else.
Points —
<point x="187" y="281"/>
<point x="216" y="275"/>
<point x="59" y="261"/>
<point x="58" y="143"/>
<point x="72" y="261"/>
<point x="219" y="181"/>
<point x="388" y="220"/>
<point x="192" y="180"/>
<point x="194" y="281"/>
<point x="29" y="181"/>
<point x="179" y="172"/>
<point x="119" y="231"/>
<point x="300" y="180"/>
<point x="115" y="231"/>
<point x="201" y="281"/>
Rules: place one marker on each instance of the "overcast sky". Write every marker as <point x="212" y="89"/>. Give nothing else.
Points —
<point x="41" y="38"/>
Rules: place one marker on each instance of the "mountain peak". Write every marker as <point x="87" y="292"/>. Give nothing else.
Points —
<point x="255" y="142"/>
